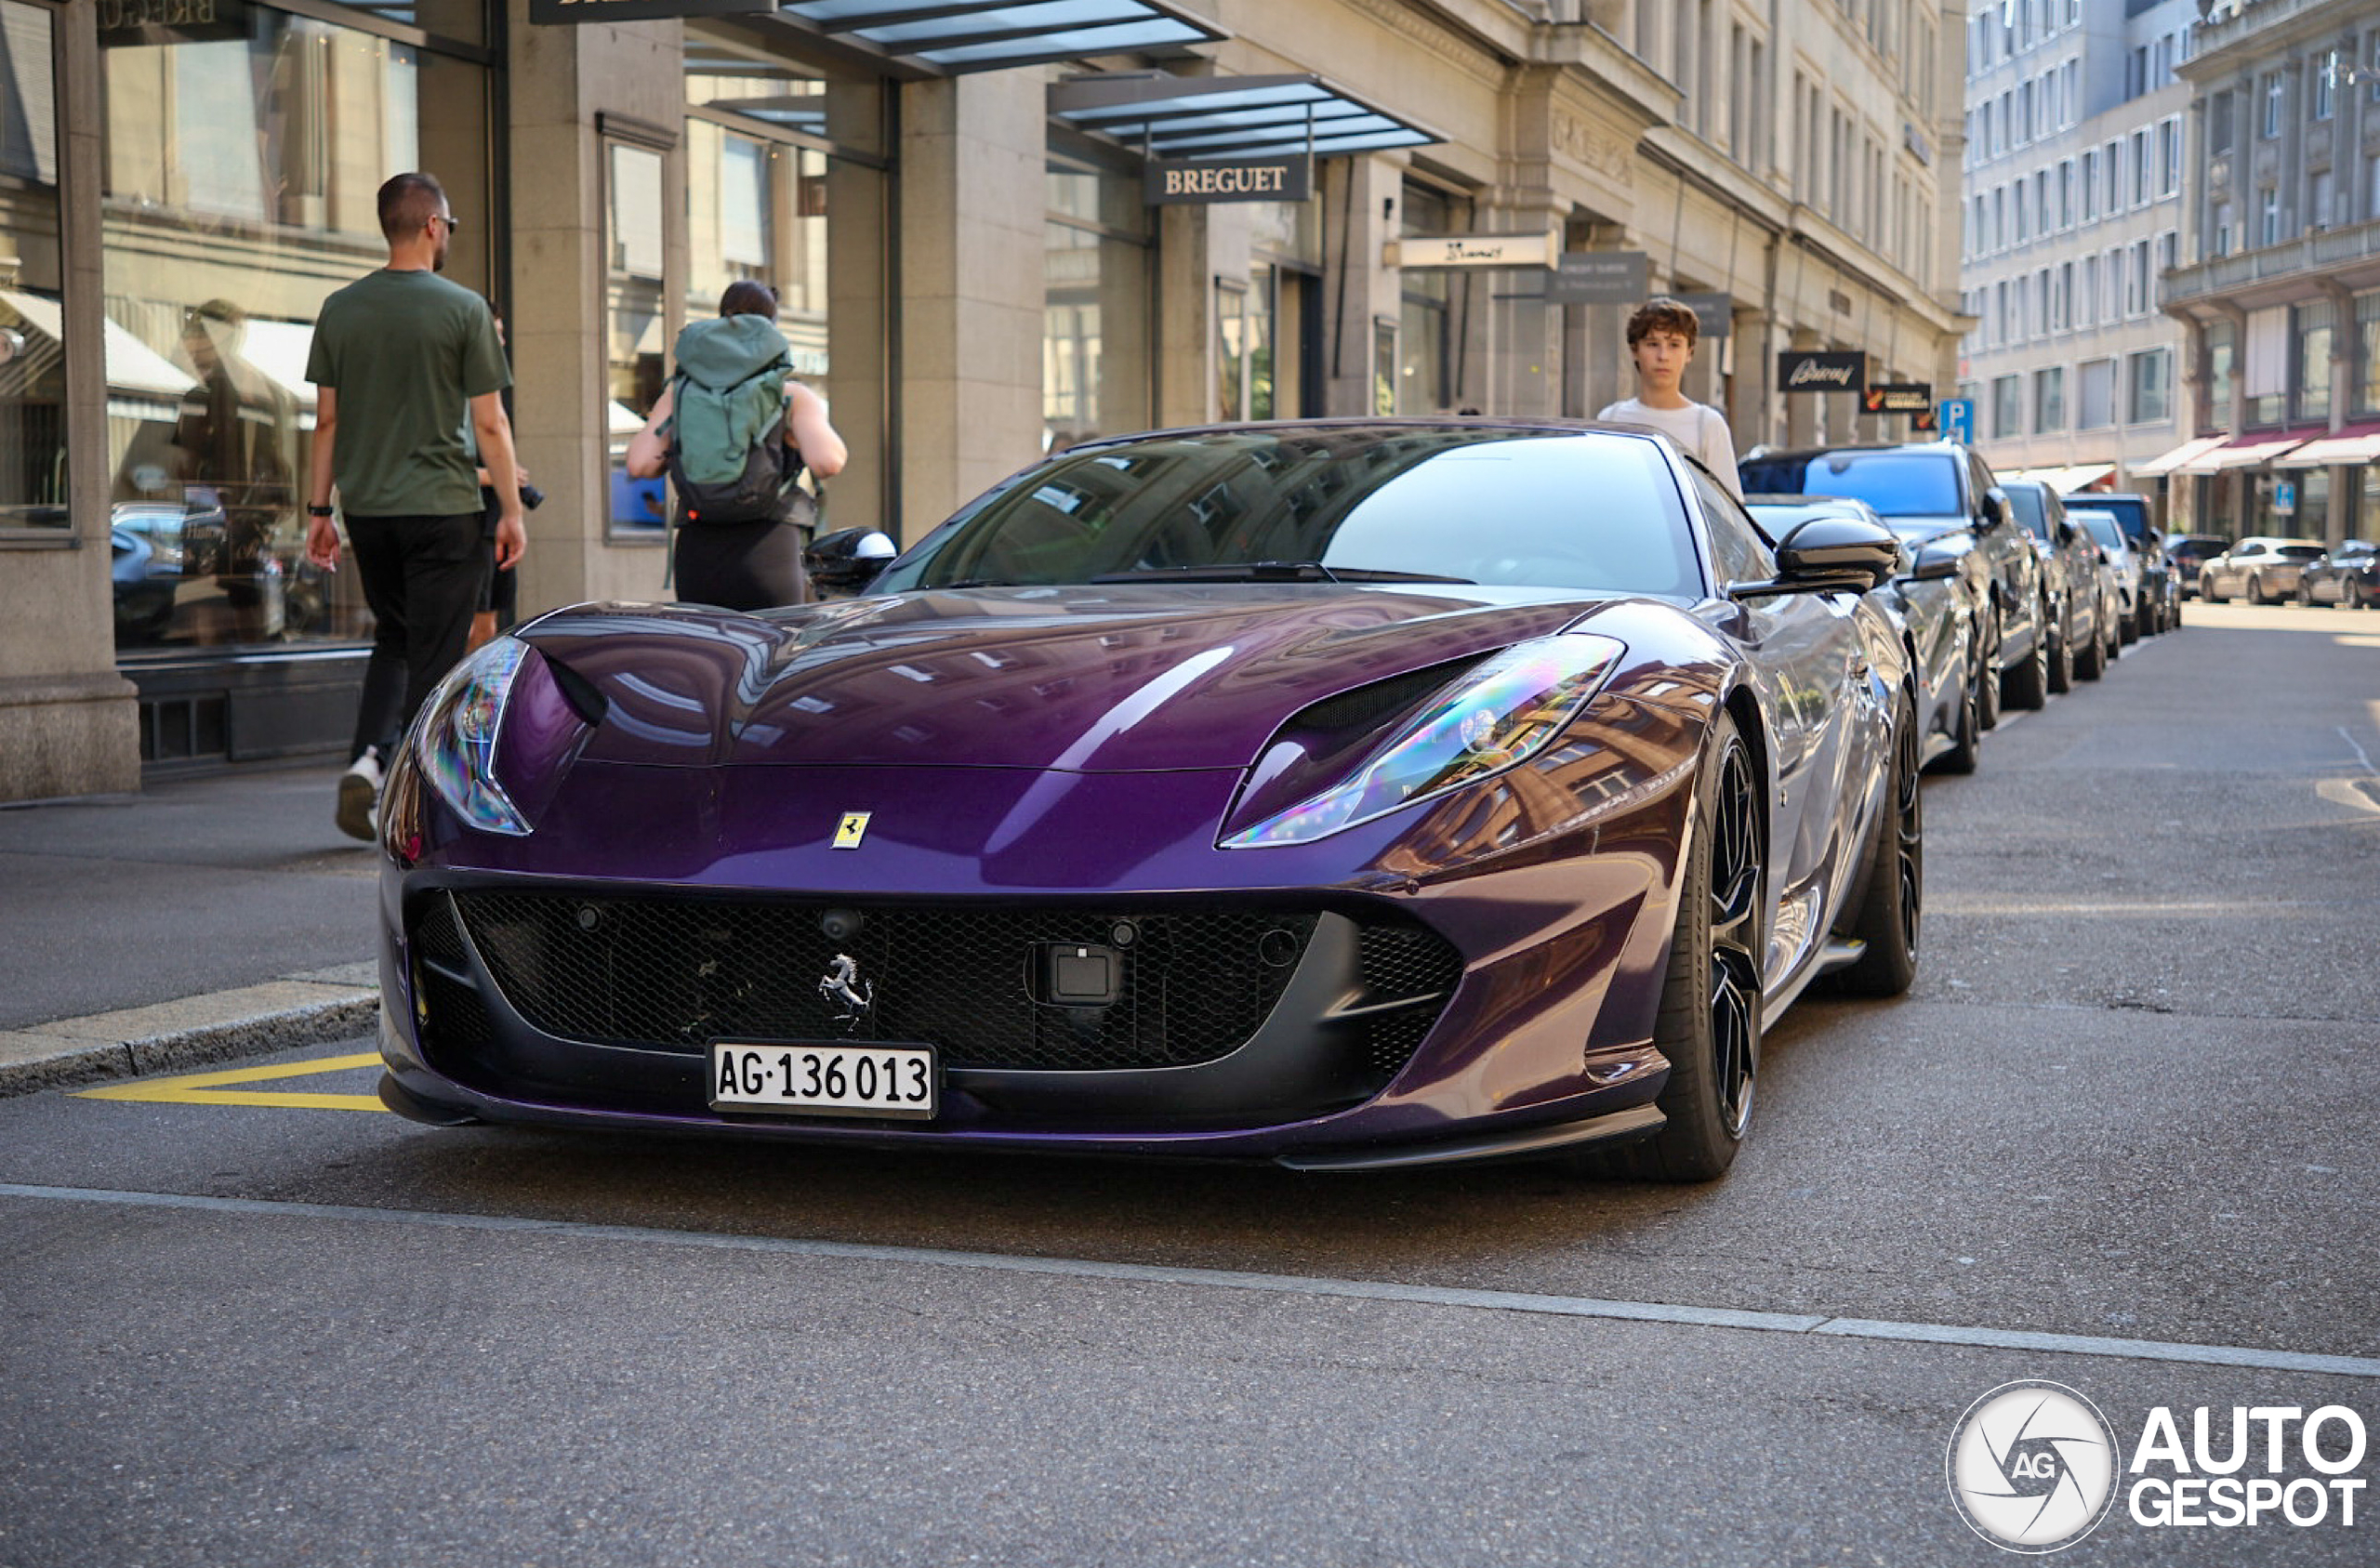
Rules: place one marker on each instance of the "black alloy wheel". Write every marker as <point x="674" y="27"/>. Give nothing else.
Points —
<point x="1988" y="676"/>
<point x="1966" y="740"/>
<point x="1711" y="996"/>
<point x="1894" y="899"/>
<point x="2091" y="660"/>
<point x="2026" y="685"/>
<point x="2061" y="657"/>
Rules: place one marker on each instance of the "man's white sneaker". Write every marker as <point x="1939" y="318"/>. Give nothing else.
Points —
<point x="359" y="797"/>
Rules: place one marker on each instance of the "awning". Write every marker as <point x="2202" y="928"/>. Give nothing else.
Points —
<point x="987" y="35"/>
<point x="132" y="365"/>
<point x="2356" y="443"/>
<point x="1230" y="116"/>
<point x="2169" y="462"/>
<point x="2248" y="452"/>
<point x="2071" y="478"/>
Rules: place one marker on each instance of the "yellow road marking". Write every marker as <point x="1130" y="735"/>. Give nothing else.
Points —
<point x="202" y="1088"/>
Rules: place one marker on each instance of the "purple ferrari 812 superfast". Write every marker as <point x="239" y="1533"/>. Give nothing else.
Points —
<point x="1351" y="794"/>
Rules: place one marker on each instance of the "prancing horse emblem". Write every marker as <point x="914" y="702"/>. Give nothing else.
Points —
<point x="841" y="986"/>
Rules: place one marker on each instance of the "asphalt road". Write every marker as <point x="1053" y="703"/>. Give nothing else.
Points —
<point x="2131" y="1100"/>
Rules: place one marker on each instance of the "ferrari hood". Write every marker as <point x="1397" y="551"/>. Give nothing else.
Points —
<point x="1106" y="679"/>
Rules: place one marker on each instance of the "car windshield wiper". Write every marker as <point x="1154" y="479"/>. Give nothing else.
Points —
<point x="1272" y="572"/>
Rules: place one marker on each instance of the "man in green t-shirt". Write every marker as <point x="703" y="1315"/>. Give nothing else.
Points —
<point x="401" y="359"/>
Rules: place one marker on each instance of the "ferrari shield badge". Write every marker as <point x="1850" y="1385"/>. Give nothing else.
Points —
<point x="850" y="830"/>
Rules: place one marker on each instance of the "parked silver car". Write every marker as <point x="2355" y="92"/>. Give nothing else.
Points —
<point x="2261" y="569"/>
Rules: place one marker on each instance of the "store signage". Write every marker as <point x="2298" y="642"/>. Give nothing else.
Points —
<point x="1209" y="180"/>
<point x="1473" y="250"/>
<point x="1598" y="277"/>
<point x="1714" y="314"/>
<point x="131" y="23"/>
<point x="567" y="12"/>
<point x="1908" y="397"/>
<point x="1817" y="370"/>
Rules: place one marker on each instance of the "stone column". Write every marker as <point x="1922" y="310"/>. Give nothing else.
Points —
<point x="973" y="196"/>
<point x="1360" y="194"/>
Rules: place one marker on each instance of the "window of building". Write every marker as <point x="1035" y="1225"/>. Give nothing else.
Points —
<point x="2066" y="194"/>
<point x="2065" y="296"/>
<point x="1425" y="365"/>
<point x="635" y="325"/>
<point x="2227" y="228"/>
<point x="2140" y="169"/>
<point x="2269" y="216"/>
<point x="2265" y="364"/>
<point x="265" y="140"/>
<point x="1095" y="345"/>
<point x="32" y="335"/>
<point x="2090" y="182"/>
<point x="2311" y="328"/>
<point x="2367" y="354"/>
<point x="2222" y="370"/>
<point x="2273" y="98"/>
<point x="2169" y="156"/>
<point x="2325" y="82"/>
<point x="2135" y="71"/>
<point x="2137" y="296"/>
<point x="2150" y="381"/>
<point x="2095" y="394"/>
<point x="2049" y="400"/>
<point x="2111" y="162"/>
<point x="2321" y="196"/>
<point x="2086" y="302"/>
<point x="2219" y="123"/>
<point x="2007" y="410"/>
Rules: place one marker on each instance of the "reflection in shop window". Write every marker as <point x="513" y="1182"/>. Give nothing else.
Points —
<point x="1231" y="349"/>
<point x="241" y="172"/>
<point x="1095" y="281"/>
<point x="636" y="356"/>
<point x="32" y="379"/>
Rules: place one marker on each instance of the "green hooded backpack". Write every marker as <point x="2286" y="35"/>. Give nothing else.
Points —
<point x="727" y="455"/>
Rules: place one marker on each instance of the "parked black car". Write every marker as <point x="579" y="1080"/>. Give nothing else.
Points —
<point x="2348" y="575"/>
<point x="2157" y="605"/>
<point x="1941" y="590"/>
<point x="1948" y="484"/>
<point x="2185" y="553"/>
<point x="2076" y="589"/>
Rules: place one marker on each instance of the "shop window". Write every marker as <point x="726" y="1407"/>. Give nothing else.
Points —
<point x="241" y="171"/>
<point x="1095" y="369"/>
<point x="32" y="377"/>
<point x="635" y="325"/>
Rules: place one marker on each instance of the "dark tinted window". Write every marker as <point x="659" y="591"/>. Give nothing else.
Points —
<point x="1895" y="483"/>
<point x="1518" y="508"/>
<point x="1740" y="554"/>
<point x="2301" y="552"/>
<point x="2103" y="527"/>
<point x="2130" y="510"/>
<point x="2031" y="510"/>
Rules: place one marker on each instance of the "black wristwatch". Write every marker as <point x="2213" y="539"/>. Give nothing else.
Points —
<point x="318" y="511"/>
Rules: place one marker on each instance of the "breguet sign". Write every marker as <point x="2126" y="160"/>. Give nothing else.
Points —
<point x="1286" y="178"/>
<point x="568" y="11"/>
<point x="1820" y="371"/>
<point x="128" y="23"/>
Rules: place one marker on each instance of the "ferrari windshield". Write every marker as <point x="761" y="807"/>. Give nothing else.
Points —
<point x="1470" y="504"/>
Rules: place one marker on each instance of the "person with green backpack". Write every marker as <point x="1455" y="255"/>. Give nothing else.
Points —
<point x="733" y="431"/>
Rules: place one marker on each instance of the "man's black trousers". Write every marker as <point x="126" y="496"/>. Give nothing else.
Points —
<point x="421" y="577"/>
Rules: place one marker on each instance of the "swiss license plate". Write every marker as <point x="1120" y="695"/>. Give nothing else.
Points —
<point x="815" y="1080"/>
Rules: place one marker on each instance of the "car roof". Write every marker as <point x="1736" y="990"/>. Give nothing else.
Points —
<point x="2279" y="539"/>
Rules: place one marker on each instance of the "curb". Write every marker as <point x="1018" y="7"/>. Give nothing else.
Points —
<point x="194" y="1031"/>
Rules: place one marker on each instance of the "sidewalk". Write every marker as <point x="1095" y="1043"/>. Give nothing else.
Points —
<point x="194" y="922"/>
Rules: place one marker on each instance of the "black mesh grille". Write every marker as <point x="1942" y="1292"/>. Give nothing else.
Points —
<point x="1398" y="962"/>
<point x="675" y="973"/>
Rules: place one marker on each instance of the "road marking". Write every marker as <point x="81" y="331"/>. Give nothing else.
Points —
<point x="200" y="1088"/>
<point x="1285" y="1285"/>
<point x="2360" y="755"/>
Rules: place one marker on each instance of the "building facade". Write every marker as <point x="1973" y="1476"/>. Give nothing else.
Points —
<point x="2280" y="296"/>
<point x="2077" y="158"/>
<point x="975" y="262"/>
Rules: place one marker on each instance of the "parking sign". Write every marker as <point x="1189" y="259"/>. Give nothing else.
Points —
<point x="1958" y="420"/>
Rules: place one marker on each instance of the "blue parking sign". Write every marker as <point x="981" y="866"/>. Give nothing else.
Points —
<point x="1958" y="420"/>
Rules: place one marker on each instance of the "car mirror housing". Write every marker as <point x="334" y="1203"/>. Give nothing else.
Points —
<point x="1933" y="566"/>
<point x="2065" y="532"/>
<point x="1996" y="510"/>
<point x="847" y="561"/>
<point x="1829" y="554"/>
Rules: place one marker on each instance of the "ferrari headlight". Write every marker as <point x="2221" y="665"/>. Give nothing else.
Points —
<point x="454" y="742"/>
<point x="1504" y="711"/>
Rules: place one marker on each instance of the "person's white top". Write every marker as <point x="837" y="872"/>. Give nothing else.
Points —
<point x="1699" y="428"/>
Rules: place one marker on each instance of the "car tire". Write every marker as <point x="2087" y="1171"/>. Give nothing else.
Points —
<point x="2354" y="598"/>
<point x="2254" y="589"/>
<point x="2133" y="627"/>
<point x="1987" y="683"/>
<point x="2061" y="660"/>
<point x="2092" y="662"/>
<point x="2206" y="591"/>
<point x="1967" y="742"/>
<point x="1709" y="1025"/>
<point x="2027" y="685"/>
<point x="2305" y="593"/>
<point x="1894" y="899"/>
